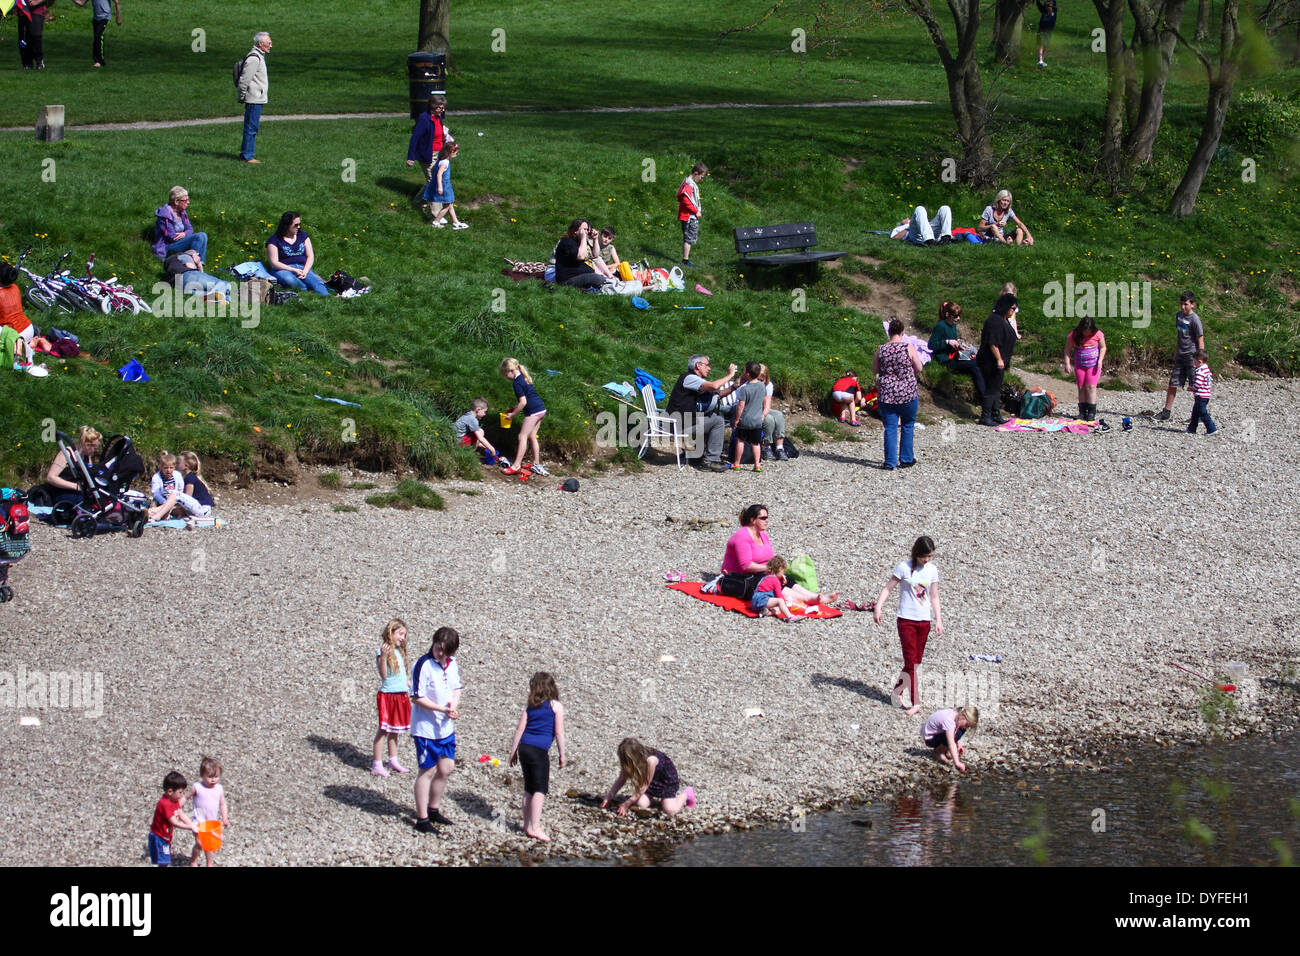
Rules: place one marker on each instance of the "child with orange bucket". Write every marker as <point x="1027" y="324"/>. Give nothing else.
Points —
<point x="209" y="811"/>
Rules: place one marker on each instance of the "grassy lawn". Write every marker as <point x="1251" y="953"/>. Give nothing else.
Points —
<point x="427" y="340"/>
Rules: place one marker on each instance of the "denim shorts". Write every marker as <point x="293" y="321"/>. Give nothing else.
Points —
<point x="160" y="850"/>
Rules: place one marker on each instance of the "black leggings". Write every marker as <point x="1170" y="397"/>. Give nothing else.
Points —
<point x="536" y="765"/>
<point x="31" y="40"/>
<point x="97" y="43"/>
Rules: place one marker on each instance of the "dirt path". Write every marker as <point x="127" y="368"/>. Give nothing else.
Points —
<point x="680" y="108"/>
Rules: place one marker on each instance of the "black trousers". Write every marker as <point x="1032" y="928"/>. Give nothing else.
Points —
<point x="992" y="390"/>
<point x="31" y="40"/>
<point x="97" y="45"/>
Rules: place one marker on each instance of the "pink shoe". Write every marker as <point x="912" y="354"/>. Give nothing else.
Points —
<point x="396" y="767"/>
<point x="690" y="796"/>
<point x="377" y="768"/>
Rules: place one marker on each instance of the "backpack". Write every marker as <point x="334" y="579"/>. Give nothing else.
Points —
<point x="340" y="282"/>
<point x="238" y="74"/>
<point x="280" y="296"/>
<point x="1037" y="403"/>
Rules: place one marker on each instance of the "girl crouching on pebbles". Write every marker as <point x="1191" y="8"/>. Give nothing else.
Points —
<point x="394" y="696"/>
<point x="944" y="729"/>
<point x="540" y="725"/>
<point x="653" y="778"/>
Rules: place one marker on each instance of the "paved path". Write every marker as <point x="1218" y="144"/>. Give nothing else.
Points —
<point x="227" y="120"/>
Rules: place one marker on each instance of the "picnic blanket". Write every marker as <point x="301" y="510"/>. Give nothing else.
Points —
<point x="44" y="512"/>
<point x="1071" y="425"/>
<point x="740" y="606"/>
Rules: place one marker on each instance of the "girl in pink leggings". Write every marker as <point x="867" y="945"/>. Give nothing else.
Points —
<point x="1085" y="350"/>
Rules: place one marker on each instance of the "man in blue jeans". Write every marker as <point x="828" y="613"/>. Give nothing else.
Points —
<point x="253" y="87"/>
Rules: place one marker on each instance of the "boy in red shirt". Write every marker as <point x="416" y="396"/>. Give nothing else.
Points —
<point x="688" y="209"/>
<point x="166" y="815"/>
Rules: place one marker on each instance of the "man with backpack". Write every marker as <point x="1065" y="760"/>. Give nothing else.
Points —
<point x="694" y="400"/>
<point x="251" y="83"/>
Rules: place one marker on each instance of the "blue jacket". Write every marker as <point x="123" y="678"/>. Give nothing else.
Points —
<point x="426" y="139"/>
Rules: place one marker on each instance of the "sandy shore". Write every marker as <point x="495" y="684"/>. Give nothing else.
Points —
<point x="1087" y="562"/>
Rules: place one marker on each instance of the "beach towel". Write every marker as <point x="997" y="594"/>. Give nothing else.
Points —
<point x="1073" y="426"/>
<point x="692" y="589"/>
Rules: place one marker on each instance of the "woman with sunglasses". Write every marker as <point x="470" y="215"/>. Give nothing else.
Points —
<point x="749" y="550"/>
<point x="291" y="256"/>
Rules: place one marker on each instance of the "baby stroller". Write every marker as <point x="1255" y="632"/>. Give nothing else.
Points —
<point x="13" y="536"/>
<point x="107" y="503"/>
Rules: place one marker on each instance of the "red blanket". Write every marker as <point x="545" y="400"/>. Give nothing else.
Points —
<point x="692" y="588"/>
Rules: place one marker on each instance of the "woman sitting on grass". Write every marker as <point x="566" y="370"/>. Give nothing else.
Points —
<point x="60" y="480"/>
<point x="998" y="219"/>
<point x="291" y="256"/>
<point x="575" y="258"/>
<point x="950" y="351"/>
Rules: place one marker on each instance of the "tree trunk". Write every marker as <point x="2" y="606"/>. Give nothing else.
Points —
<point x="1202" y="20"/>
<point x="1157" y="35"/>
<point x="435" y="17"/>
<point x="1216" y="109"/>
<point x="965" y="91"/>
<point x="1008" y="22"/>
<point x="1184" y="201"/>
<point x="1110" y="161"/>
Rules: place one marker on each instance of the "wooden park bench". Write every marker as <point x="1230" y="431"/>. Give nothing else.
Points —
<point x="769" y="239"/>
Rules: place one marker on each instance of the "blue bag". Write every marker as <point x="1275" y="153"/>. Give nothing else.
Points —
<point x="644" y="378"/>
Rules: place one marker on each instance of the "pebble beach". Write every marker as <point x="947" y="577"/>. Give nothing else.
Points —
<point x="1087" y="562"/>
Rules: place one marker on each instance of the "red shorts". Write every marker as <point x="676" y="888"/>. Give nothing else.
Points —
<point x="467" y="439"/>
<point x="394" y="713"/>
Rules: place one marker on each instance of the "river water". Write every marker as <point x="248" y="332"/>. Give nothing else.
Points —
<point x="1234" y="803"/>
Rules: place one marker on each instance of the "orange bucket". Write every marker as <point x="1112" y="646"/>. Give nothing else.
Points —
<point x="505" y="419"/>
<point x="209" y="835"/>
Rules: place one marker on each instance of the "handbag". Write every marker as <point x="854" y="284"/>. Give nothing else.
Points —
<point x="743" y="586"/>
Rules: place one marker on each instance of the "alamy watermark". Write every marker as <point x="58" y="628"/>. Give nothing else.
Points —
<point x="1099" y="300"/>
<point x="49" y="690"/>
<point x="959" y="688"/>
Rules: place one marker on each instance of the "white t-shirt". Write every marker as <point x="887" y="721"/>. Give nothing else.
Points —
<point x="915" y="589"/>
<point x="431" y="681"/>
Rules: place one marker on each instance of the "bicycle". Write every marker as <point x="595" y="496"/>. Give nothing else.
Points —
<point x="116" y="298"/>
<point x="57" y="289"/>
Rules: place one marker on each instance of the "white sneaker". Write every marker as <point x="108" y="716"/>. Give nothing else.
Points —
<point x="40" y="371"/>
<point x="539" y="469"/>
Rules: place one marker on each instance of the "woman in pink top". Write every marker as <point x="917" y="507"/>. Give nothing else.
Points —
<point x="749" y="550"/>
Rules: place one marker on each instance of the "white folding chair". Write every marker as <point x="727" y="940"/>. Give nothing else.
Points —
<point x="661" y="425"/>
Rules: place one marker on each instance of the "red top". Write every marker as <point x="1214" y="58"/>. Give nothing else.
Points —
<point x="688" y="199"/>
<point x="845" y="384"/>
<point x="162" y="817"/>
<point x="11" y="309"/>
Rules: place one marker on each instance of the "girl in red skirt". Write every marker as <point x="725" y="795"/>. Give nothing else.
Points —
<point x="919" y="593"/>
<point x="394" y="696"/>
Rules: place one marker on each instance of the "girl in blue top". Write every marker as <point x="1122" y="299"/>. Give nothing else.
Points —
<point x="529" y="404"/>
<point x="394" y="696"/>
<point x="541" y="723"/>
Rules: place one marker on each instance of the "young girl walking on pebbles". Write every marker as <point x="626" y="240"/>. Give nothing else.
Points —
<point x="653" y="778"/>
<point x="540" y="725"/>
<point x="534" y="411"/>
<point x="394" y="696"/>
<point x="919" y="578"/>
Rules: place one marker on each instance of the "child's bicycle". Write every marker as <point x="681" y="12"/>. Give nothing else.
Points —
<point x="118" y="298"/>
<point x="57" y="290"/>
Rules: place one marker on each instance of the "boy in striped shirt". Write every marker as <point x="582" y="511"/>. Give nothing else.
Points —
<point x="1202" y="379"/>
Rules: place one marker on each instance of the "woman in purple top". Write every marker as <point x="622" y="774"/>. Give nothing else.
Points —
<point x="291" y="256"/>
<point x="172" y="230"/>
<point x="896" y="366"/>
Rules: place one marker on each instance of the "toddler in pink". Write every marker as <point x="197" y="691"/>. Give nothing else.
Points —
<point x="209" y="803"/>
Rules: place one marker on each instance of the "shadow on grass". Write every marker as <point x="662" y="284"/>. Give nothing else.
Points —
<point x="854" y="686"/>
<point x="347" y="752"/>
<point x="400" y="187"/>
<point x="365" y="800"/>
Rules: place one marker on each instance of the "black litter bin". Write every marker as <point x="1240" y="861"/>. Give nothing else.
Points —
<point x="428" y="75"/>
